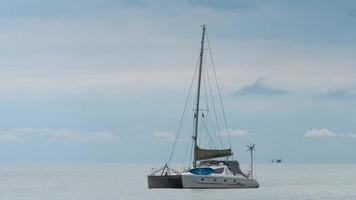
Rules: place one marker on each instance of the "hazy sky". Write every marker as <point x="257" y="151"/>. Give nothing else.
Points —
<point x="106" y="80"/>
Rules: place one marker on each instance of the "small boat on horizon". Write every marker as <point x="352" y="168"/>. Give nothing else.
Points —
<point x="279" y="160"/>
<point x="211" y="168"/>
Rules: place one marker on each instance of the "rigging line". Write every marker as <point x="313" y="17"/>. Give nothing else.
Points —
<point x="214" y="108"/>
<point x="206" y="78"/>
<point x="208" y="133"/>
<point x="206" y="95"/>
<point x="217" y="85"/>
<point x="205" y="88"/>
<point x="186" y="155"/>
<point x="182" y="116"/>
<point x="191" y="155"/>
<point x="191" y="151"/>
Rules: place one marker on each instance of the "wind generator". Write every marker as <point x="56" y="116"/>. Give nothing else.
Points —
<point x="251" y="148"/>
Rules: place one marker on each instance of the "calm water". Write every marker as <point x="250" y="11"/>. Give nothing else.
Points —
<point x="116" y="181"/>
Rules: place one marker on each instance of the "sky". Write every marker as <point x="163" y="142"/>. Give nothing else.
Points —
<point x="105" y="81"/>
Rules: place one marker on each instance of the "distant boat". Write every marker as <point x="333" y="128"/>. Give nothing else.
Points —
<point x="211" y="168"/>
<point x="276" y="160"/>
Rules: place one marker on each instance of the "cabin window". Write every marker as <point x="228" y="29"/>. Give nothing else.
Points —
<point x="224" y="180"/>
<point x="202" y="179"/>
<point x="218" y="170"/>
<point x="214" y="179"/>
<point x="234" y="181"/>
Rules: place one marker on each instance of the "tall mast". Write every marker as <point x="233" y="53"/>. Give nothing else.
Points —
<point x="196" y="114"/>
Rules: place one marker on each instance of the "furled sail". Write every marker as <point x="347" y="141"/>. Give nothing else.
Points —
<point x="202" y="154"/>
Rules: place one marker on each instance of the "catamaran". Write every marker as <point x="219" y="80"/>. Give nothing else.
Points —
<point x="211" y="168"/>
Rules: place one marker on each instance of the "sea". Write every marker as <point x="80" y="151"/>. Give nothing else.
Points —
<point x="128" y="181"/>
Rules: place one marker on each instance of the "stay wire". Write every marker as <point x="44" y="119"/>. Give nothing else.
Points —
<point x="208" y="133"/>
<point x="214" y="108"/>
<point x="217" y="85"/>
<point x="182" y="116"/>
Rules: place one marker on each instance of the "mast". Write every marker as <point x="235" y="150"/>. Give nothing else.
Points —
<point x="196" y="114"/>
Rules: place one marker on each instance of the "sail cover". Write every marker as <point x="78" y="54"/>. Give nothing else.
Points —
<point x="202" y="154"/>
<point x="202" y="171"/>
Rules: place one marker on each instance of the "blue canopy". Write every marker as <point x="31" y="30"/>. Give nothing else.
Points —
<point x="202" y="171"/>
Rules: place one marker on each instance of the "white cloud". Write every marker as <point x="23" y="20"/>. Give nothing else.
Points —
<point x="327" y="133"/>
<point x="319" y="133"/>
<point x="233" y="132"/>
<point x="166" y="136"/>
<point x="59" y="135"/>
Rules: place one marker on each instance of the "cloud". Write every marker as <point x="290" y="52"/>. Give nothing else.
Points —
<point x="84" y="82"/>
<point x="59" y="135"/>
<point x="339" y="94"/>
<point x="166" y="136"/>
<point x="319" y="133"/>
<point x="233" y="132"/>
<point x="327" y="133"/>
<point x="56" y="38"/>
<point x="259" y="87"/>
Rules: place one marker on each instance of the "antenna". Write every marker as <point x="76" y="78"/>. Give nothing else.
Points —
<point x="251" y="148"/>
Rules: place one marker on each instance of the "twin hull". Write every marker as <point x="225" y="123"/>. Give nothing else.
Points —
<point x="200" y="182"/>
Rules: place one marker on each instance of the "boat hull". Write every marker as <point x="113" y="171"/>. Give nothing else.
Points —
<point x="217" y="182"/>
<point x="169" y="181"/>
<point x="191" y="181"/>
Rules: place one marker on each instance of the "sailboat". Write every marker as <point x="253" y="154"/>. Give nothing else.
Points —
<point x="211" y="168"/>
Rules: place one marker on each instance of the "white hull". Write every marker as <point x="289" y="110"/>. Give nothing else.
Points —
<point x="217" y="181"/>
